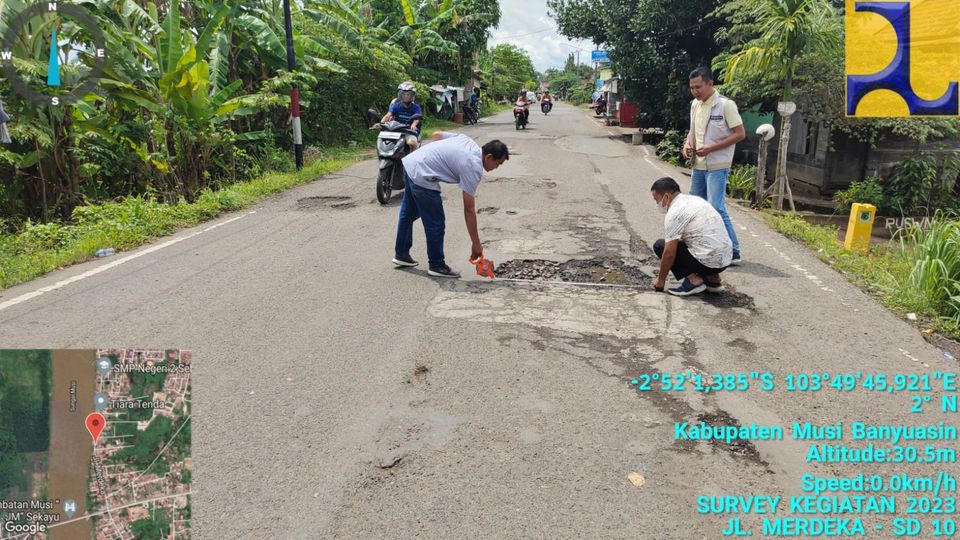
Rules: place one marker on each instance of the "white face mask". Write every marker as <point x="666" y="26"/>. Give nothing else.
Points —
<point x="662" y="209"/>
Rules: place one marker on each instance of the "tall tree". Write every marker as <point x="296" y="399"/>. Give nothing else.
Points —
<point x="653" y="46"/>
<point x="786" y="30"/>
<point x="509" y="69"/>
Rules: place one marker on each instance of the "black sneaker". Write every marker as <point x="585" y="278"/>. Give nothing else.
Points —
<point x="405" y="261"/>
<point x="737" y="261"/>
<point x="443" y="271"/>
<point x="687" y="289"/>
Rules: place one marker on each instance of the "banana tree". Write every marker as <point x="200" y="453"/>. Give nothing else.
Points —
<point x="42" y="154"/>
<point x="419" y="33"/>
<point x="353" y="22"/>
<point x="161" y="74"/>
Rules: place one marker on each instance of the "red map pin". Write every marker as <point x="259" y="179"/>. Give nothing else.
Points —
<point x="95" y="424"/>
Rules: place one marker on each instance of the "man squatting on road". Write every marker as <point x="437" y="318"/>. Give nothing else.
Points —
<point x="696" y="246"/>
<point x="454" y="158"/>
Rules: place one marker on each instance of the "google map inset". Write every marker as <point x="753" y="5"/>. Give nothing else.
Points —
<point x="95" y="444"/>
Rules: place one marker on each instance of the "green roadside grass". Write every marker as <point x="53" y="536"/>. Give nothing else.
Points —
<point x="897" y="274"/>
<point x="433" y="125"/>
<point x="494" y="108"/>
<point x="39" y="248"/>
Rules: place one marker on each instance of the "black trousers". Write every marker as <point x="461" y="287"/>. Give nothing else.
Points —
<point x="685" y="263"/>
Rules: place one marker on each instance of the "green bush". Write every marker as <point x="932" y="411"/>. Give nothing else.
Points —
<point x="670" y="147"/>
<point x="246" y="166"/>
<point x="581" y="94"/>
<point x="743" y="177"/>
<point x="868" y="191"/>
<point x="923" y="184"/>
<point x="43" y="236"/>
<point x="276" y="159"/>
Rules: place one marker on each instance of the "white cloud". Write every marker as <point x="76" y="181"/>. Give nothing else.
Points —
<point x="526" y="24"/>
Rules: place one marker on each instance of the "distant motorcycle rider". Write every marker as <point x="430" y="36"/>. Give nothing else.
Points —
<point x="546" y="101"/>
<point x="522" y="102"/>
<point x="601" y="104"/>
<point x="471" y="107"/>
<point x="475" y="98"/>
<point x="403" y="109"/>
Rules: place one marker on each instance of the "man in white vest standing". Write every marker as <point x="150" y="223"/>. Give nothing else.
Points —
<point x="715" y="129"/>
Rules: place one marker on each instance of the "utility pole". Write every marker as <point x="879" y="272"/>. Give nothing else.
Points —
<point x="294" y="91"/>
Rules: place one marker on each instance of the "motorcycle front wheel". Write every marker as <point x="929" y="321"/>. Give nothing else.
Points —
<point x="518" y="124"/>
<point x="385" y="184"/>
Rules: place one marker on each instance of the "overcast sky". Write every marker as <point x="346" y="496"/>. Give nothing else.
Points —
<point x="526" y="24"/>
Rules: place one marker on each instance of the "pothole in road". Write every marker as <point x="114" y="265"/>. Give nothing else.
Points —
<point x="730" y="299"/>
<point x="741" y="448"/>
<point x="599" y="271"/>
<point x="741" y="343"/>
<point x="419" y="375"/>
<point x="316" y="203"/>
<point x="505" y="211"/>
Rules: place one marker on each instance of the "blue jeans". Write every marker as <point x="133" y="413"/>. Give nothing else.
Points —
<point x="425" y="204"/>
<point x="712" y="186"/>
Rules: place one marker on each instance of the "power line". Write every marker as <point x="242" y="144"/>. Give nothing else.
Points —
<point x="528" y="34"/>
<point x="575" y="47"/>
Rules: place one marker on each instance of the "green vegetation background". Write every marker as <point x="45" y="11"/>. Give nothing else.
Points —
<point x="26" y="378"/>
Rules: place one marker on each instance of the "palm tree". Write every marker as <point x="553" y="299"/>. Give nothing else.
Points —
<point x="788" y="29"/>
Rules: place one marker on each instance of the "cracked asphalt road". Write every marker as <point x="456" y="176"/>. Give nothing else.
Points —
<point x="335" y="396"/>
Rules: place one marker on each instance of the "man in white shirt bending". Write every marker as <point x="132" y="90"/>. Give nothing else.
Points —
<point x="695" y="246"/>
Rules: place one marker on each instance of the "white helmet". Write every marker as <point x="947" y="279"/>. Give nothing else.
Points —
<point x="406" y="86"/>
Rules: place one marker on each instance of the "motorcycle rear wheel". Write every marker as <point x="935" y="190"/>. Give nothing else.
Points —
<point x="385" y="184"/>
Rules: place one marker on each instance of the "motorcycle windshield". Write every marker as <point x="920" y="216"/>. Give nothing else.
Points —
<point x="394" y="125"/>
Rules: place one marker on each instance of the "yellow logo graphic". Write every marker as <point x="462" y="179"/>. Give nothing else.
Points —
<point x="902" y="58"/>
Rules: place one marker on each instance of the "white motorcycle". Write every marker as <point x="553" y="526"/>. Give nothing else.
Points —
<point x="391" y="148"/>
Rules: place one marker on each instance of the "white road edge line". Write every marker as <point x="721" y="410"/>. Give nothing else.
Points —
<point x="112" y="264"/>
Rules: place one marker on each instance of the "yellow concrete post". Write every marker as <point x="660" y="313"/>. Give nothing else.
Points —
<point x="860" y="226"/>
